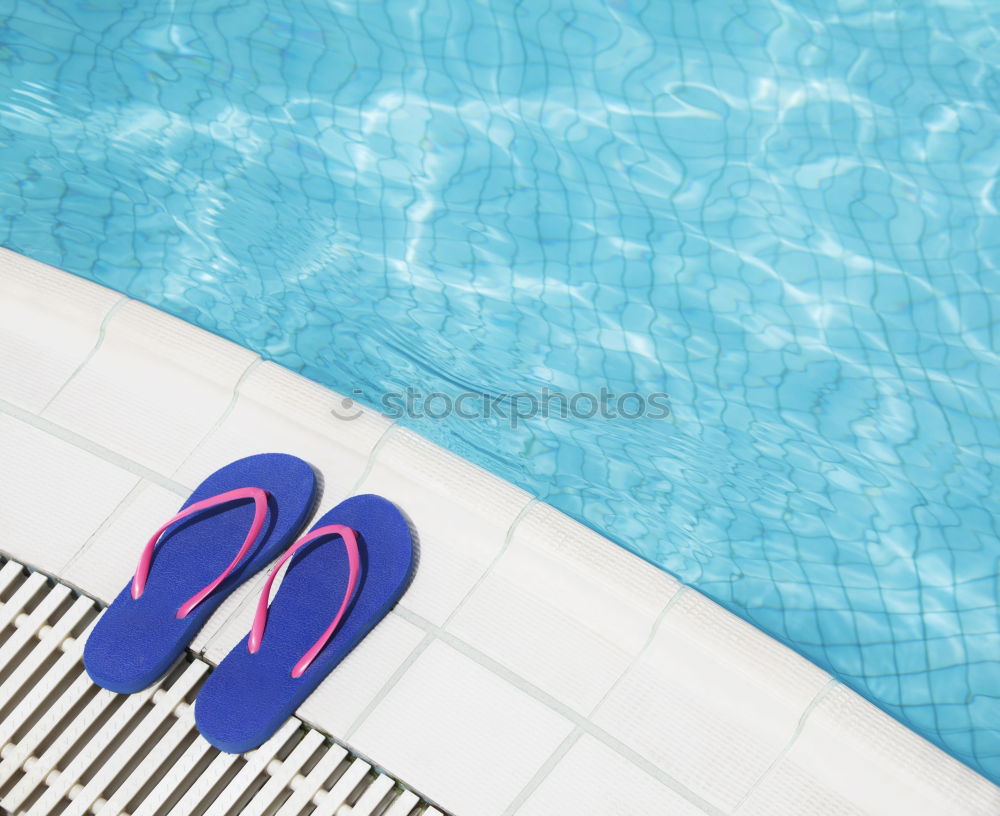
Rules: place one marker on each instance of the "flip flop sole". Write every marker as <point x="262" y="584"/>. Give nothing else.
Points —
<point x="137" y="639"/>
<point x="249" y="695"/>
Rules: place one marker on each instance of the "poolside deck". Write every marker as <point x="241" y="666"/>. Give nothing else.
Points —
<point x="533" y="667"/>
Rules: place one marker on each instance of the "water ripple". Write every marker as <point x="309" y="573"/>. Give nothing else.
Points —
<point x="784" y="214"/>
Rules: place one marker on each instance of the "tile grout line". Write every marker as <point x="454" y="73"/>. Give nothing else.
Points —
<point x="389" y="684"/>
<point x="820" y="695"/>
<point x="254" y="584"/>
<point x="372" y="454"/>
<point x="420" y="647"/>
<point x="110" y="313"/>
<point x="525" y="509"/>
<point x="582" y="722"/>
<point x="94" y="448"/>
<point x="543" y="771"/>
<point x="651" y="770"/>
<point x="119" y="508"/>
<point x="233" y="399"/>
<point x="682" y="590"/>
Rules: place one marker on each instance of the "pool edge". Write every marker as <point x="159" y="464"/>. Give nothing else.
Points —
<point x="593" y="655"/>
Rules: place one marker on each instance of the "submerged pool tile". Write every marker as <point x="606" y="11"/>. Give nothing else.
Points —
<point x="780" y="217"/>
<point x="153" y="389"/>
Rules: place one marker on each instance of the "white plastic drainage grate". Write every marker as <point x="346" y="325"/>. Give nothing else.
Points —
<point x="69" y="747"/>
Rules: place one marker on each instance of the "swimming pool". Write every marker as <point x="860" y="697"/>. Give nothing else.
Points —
<point x="784" y="217"/>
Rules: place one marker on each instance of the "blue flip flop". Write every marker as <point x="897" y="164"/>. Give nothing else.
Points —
<point x="343" y="577"/>
<point x="237" y="521"/>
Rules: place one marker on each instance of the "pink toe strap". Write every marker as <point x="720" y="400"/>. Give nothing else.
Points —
<point x="259" y="497"/>
<point x="353" y="563"/>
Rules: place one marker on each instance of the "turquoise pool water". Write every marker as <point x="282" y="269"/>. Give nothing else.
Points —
<point x="782" y="214"/>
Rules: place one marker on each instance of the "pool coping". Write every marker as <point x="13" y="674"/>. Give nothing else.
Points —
<point x="533" y="666"/>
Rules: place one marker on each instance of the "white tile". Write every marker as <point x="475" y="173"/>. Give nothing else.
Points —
<point x="459" y="733"/>
<point x="232" y="619"/>
<point x="277" y="410"/>
<point x="153" y="389"/>
<point x="49" y="322"/>
<point x="459" y="512"/>
<point x="109" y="560"/>
<point x="789" y="789"/>
<point x="712" y="701"/>
<point x="852" y="758"/>
<point x="55" y="495"/>
<point x="593" y="780"/>
<point x="350" y="687"/>
<point x="564" y="608"/>
<point x="542" y="644"/>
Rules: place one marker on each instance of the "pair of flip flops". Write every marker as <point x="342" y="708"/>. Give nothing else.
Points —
<point x="342" y="577"/>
